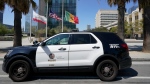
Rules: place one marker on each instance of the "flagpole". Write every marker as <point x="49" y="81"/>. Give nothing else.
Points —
<point x="47" y="19"/>
<point x="30" y="24"/>
<point x="62" y="15"/>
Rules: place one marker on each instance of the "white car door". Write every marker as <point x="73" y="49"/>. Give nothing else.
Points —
<point x="84" y="49"/>
<point x="54" y="53"/>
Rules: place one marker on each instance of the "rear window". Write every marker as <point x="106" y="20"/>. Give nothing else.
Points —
<point x="109" y="37"/>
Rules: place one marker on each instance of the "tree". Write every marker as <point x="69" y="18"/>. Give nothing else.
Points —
<point x="19" y="7"/>
<point x="146" y="30"/>
<point x="127" y="30"/>
<point x="121" y="13"/>
<point x="99" y="29"/>
<point x="34" y="29"/>
<point x="51" y="32"/>
<point x="113" y="29"/>
<point x="3" y="30"/>
<point x="145" y="5"/>
<point x="137" y="26"/>
<point x="10" y="31"/>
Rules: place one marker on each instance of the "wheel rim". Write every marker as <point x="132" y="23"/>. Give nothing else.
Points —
<point x="19" y="70"/>
<point x="107" y="70"/>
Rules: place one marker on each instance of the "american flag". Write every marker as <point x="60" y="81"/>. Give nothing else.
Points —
<point x="53" y="15"/>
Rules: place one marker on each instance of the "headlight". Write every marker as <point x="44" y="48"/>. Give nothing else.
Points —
<point x="9" y="51"/>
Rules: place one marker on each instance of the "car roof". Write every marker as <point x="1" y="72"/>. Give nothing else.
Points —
<point x="86" y="32"/>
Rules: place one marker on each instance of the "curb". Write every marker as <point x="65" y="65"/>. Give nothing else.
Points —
<point x="140" y="59"/>
<point x="1" y="58"/>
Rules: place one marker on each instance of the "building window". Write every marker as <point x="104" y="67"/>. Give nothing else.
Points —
<point x="130" y="19"/>
<point x="136" y="17"/>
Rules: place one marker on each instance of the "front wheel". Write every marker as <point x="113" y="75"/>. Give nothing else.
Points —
<point x="107" y="70"/>
<point x="19" y="70"/>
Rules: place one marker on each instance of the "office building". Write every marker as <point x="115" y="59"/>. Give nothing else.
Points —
<point x="1" y="21"/>
<point x="132" y="9"/>
<point x="134" y="16"/>
<point x="42" y="11"/>
<point x="130" y="18"/>
<point x="105" y="17"/>
<point x="88" y="27"/>
<point x="56" y="7"/>
<point x="1" y="17"/>
<point x="28" y="20"/>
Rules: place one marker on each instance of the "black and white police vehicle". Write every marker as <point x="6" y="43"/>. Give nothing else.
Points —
<point x="99" y="52"/>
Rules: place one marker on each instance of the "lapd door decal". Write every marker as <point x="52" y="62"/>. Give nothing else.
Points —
<point x="52" y="57"/>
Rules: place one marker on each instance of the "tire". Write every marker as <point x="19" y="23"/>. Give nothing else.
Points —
<point x="107" y="70"/>
<point x="19" y="70"/>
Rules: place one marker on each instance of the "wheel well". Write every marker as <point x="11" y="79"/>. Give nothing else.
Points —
<point x="15" y="59"/>
<point x="105" y="58"/>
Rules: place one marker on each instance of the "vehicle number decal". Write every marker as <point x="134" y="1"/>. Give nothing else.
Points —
<point x="114" y="45"/>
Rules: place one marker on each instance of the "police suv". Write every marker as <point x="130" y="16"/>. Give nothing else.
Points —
<point x="100" y="52"/>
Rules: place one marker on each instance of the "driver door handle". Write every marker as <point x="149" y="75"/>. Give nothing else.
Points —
<point x="62" y="49"/>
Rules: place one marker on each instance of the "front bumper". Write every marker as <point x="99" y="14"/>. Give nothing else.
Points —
<point x="4" y="65"/>
<point x="125" y="63"/>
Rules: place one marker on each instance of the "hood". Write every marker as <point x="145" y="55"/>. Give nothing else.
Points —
<point x="26" y="47"/>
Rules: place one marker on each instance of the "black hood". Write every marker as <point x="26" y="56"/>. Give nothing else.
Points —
<point x="26" y="46"/>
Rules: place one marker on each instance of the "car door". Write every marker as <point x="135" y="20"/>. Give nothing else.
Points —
<point x="84" y="49"/>
<point x="54" y="53"/>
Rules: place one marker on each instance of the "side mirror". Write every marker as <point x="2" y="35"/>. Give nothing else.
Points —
<point x="35" y="42"/>
<point x="43" y="43"/>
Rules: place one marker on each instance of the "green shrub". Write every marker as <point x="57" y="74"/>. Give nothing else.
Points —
<point x="6" y="38"/>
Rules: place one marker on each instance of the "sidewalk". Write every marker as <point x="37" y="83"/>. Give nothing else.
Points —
<point x="135" y="55"/>
<point x="139" y="56"/>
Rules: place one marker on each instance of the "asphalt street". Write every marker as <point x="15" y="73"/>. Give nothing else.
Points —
<point x="139" y="73"/>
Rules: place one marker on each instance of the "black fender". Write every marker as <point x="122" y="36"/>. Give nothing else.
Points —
<point x="20" y="57"/>
<point x="105" y="57"/>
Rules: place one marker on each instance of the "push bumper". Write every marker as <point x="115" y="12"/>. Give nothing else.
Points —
<point x="4" y="65"/>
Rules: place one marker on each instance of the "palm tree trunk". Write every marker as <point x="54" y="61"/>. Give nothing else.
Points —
<point x="17" y="28"/>
<point x="146" y="29"/>
<point x="121" y="14"/>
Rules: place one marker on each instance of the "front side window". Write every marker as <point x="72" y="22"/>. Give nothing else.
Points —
<point x="61" y="39"/>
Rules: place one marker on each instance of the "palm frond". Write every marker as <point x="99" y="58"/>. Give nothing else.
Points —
<point x="21" y="5"/>
<point x="143" y="3"/>
<point x="34" y="5"/>
<point x="117" y="2"/>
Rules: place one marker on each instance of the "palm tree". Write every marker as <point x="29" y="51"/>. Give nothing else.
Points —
<point x="145" y="4"/>
<point x="19" y="7"/>
<point x="121" y="13"/>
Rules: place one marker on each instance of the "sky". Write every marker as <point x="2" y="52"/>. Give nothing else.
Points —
<point x="86" y="12"/>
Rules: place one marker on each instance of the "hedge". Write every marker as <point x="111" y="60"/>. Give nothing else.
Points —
<point x="6" y="38"/>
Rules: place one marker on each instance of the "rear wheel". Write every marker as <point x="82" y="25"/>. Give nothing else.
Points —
<point x="19" y="70"/>
<point x="107" y="70"/>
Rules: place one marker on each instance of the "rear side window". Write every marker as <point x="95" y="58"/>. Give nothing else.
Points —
<point x="83" y="39"/>
<point x="109" y="37"/>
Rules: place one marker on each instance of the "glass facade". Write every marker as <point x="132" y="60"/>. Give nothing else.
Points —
<point x="1" y="17"/>
<point x="28" y="18"/>
<point x="56" y="7"/>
